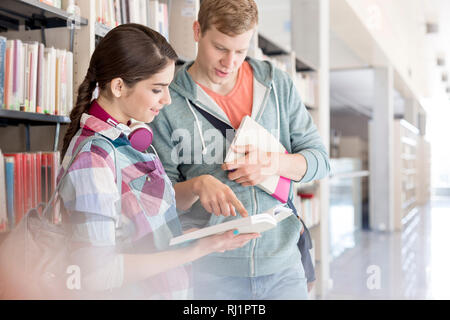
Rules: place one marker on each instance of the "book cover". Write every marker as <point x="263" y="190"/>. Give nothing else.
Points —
<point x="251" y="132"/>
<point x="252" y="224"/>
<point x="2" y="70"/>
<point x="3" y="207"/>
<point x="18" y="186"/>
<point x="9" y="175"/>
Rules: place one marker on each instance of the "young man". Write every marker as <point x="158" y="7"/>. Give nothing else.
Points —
<point x="217" y="90"/>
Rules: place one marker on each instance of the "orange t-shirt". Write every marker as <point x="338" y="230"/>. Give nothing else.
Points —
<point x="238" y="103"/>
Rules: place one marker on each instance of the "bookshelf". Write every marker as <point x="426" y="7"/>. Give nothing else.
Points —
<point x="31" y="23"/>
<point x="34" y="15"/>
<point x="406" y="177"/>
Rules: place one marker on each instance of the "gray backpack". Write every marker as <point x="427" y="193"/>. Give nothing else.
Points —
<point x="34" y="257"/>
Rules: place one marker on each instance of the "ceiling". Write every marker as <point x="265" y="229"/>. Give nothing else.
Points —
<point x="353" y="89"/>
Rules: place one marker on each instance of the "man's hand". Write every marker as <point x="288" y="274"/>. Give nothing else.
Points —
<point x="254" y="167"/>
<point x="217" y="198"/>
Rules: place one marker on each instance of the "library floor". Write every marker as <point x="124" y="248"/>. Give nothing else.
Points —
<point x="412" y="264"/>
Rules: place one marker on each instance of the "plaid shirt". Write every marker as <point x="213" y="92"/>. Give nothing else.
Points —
<point x="145" y="224"/>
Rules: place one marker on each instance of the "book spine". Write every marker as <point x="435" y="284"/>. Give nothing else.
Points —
<point x="7" y="72"/>
<point x="123" y="11"/>
<point x="40" y="85"/>
<point x="44" y="195"/>
<point x="18" y="186"/>
<point x="38" y="157"/>
<point x="2" y="70"/>
<point x="26" y="183"/>
<point x="9" y="173"/>
<point x="3" y="206"/>
<point x="33" y="181"/>
<point x="15" y="75"/>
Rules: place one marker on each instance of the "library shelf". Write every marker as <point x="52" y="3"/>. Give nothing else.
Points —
<point x="34" y="15"/>
<point x="15" y="117"/>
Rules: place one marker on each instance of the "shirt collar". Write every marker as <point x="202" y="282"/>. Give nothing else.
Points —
<point x="101" y="127"/>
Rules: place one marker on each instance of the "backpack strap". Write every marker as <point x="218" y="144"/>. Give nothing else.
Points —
<point x="74" y="155"/>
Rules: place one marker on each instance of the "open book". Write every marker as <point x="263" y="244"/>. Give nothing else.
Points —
<point x="251" y="132"/>
<point x="257" y="223"/>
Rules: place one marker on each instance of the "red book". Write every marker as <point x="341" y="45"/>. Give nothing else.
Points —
<point x="38" y="157"/>
<point x="44" y="196"/>
<point x="33" y="180"/>
<point x="27" y="187"/>
<point x="18" y="185"/>
<point x="50" y="177"/>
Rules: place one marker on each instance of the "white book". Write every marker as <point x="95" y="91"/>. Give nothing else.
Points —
<point x="69" y="61"/>
<point x="152" y="13"/>
<point x="143" y="12"/>
<point x="33" y="48"/>
<point x="9" y="92"/>
<point x="51" y="78"/>
<point x="251" y="132"/>
<point x="253" y="224"/>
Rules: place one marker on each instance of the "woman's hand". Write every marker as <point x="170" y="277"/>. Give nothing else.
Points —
<point x="224" y="242"/>
<point x="217" y="198"/>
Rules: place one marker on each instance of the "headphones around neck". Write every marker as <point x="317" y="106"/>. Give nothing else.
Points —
<point x="139" y="134"/>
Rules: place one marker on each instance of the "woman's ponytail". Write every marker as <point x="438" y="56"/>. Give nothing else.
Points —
<point x="84" y="97"/>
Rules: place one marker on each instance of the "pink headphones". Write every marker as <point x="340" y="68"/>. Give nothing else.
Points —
<point x="139" y="134"/>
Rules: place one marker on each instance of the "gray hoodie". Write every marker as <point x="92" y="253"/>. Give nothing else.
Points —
<point x="181" y="133"/>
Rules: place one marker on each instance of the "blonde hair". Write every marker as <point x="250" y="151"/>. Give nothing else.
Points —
<point x="232" y="17"/>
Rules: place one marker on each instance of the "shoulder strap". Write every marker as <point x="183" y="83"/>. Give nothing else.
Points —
<point x="216" y="123"/>
<point x="74" y="155"/>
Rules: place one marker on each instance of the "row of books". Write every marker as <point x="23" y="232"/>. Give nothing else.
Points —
<point x="151" y="13"/>
<point x="53" y="3"/>
<point x="305" y="82"/>
<point x="60" y="4"/>
<point x="26" y="179"/>
<point x="34" y="78"/>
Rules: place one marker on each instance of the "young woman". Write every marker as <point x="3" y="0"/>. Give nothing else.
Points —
<point x="124" y="253"/>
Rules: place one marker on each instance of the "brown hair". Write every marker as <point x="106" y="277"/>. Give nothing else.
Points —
<point x="232" y="17"/>
<point x="132" y="52"/>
